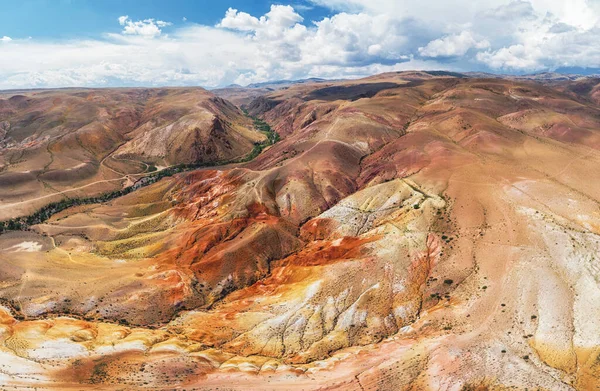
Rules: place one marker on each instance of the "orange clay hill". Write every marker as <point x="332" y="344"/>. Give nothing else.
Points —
<point x="410" y="231"/>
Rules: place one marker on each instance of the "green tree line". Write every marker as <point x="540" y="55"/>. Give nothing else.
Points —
<point x="43" y="214"/>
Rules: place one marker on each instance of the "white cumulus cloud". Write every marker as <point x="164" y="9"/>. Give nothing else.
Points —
<point x="453" y="45"/>
<point x="280" y="17"/>
<point x="146" y="28"/>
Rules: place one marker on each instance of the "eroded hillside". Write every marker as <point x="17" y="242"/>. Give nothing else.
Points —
<point x="409" y="232"/>
<point x="73" y="143"/>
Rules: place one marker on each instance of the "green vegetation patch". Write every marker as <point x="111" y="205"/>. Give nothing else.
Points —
<point x="23" y="223"/>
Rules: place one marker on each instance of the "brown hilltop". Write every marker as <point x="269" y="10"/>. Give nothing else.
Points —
<point x="90" y="141"/>
<point x="409" y="231"/>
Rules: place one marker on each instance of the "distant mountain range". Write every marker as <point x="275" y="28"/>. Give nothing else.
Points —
<point x="541" y="76"/>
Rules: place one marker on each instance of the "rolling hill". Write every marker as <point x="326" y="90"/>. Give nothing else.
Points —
<point x="86" y="142"/>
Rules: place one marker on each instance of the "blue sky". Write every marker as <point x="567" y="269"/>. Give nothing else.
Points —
<point x="87" y="18"/>
<point x="106" y="43"/>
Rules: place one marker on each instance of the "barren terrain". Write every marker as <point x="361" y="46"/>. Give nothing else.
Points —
<point x="73" y="143"/>
<point x="410" y="231"/>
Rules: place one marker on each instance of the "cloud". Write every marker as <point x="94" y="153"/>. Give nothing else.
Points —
<point x="302" y="7"/>
<point x="241" y="21"/>
<point x="359" y="37"/>
<point x="288" y="48"/>
<point x="146" y="28"/>
<point x="506" y="35"/>
<point x="279" y="18"/>
<point x="547" y="41"/>
<point x="5" y="39"/>
<point x="179" y="59"/>
<point x="583" y="13"/>
<point x="453" y="45"/>
<point x="516" y="57"/>
<point x="514" y="11"/>
<point x="547" y="49"/>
